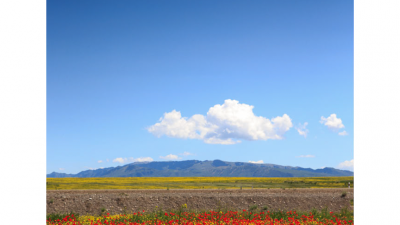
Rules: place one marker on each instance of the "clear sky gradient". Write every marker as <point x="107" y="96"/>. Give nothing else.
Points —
<point x="115" y="67"/>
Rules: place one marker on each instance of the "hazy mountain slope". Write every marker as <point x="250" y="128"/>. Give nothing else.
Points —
<point x="215" y="168"/>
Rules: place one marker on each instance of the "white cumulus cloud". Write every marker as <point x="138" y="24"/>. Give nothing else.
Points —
<point x="143" y="159"/>
<point x="302" y="129"/>
<point x="170" y="157"/>
<point x="257" y="162"/>
<point x="131" y="159"/>
<point x="228" y="123"/>
<point x="100" y="161"/>
<point x="120" y="160"/>
<point x="305" y="156"/>
<point x="343" y="133"/>
<point x="61" y="168"/>
<point x="332" y="122"/>
<point x="347" y="165"/>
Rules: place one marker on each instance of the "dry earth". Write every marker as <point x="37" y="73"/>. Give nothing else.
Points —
<point x="117" y="201"/>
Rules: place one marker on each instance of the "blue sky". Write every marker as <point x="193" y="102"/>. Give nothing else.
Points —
<point x="115" y="68"/>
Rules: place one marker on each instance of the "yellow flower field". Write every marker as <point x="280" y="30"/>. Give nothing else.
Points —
<point x="196" y="182"/>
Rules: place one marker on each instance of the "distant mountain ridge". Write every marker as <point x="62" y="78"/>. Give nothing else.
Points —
<point x="196" y="168"/>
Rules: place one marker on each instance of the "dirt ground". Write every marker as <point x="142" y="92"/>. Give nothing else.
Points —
<point x="118" y="201"/>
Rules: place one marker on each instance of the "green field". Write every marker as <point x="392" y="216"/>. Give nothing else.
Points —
<point x="196" y="183"/>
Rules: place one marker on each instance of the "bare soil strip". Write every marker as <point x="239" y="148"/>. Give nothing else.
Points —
<point x="92" y="202"/>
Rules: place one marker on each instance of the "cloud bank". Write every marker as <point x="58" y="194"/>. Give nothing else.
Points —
<point x="257" y="162"/>
<point x="170" y="157"/>
<point x="347" y="165"/>
<point x="228" y="123"/>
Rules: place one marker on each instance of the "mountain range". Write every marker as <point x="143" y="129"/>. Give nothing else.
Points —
<point x="196" y="168"/>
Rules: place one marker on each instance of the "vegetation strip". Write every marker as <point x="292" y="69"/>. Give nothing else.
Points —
<point x="322" y="217"/>
<point x="196" y="183"/>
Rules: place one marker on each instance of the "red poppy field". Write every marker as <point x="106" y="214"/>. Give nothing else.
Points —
<point x="322" y="217"/>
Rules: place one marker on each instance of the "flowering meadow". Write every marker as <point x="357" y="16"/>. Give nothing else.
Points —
<point x="207" y="218"/>
<point x="196" y="182"/>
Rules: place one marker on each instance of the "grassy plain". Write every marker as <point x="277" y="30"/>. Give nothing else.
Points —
<point x="196" y="182"/>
